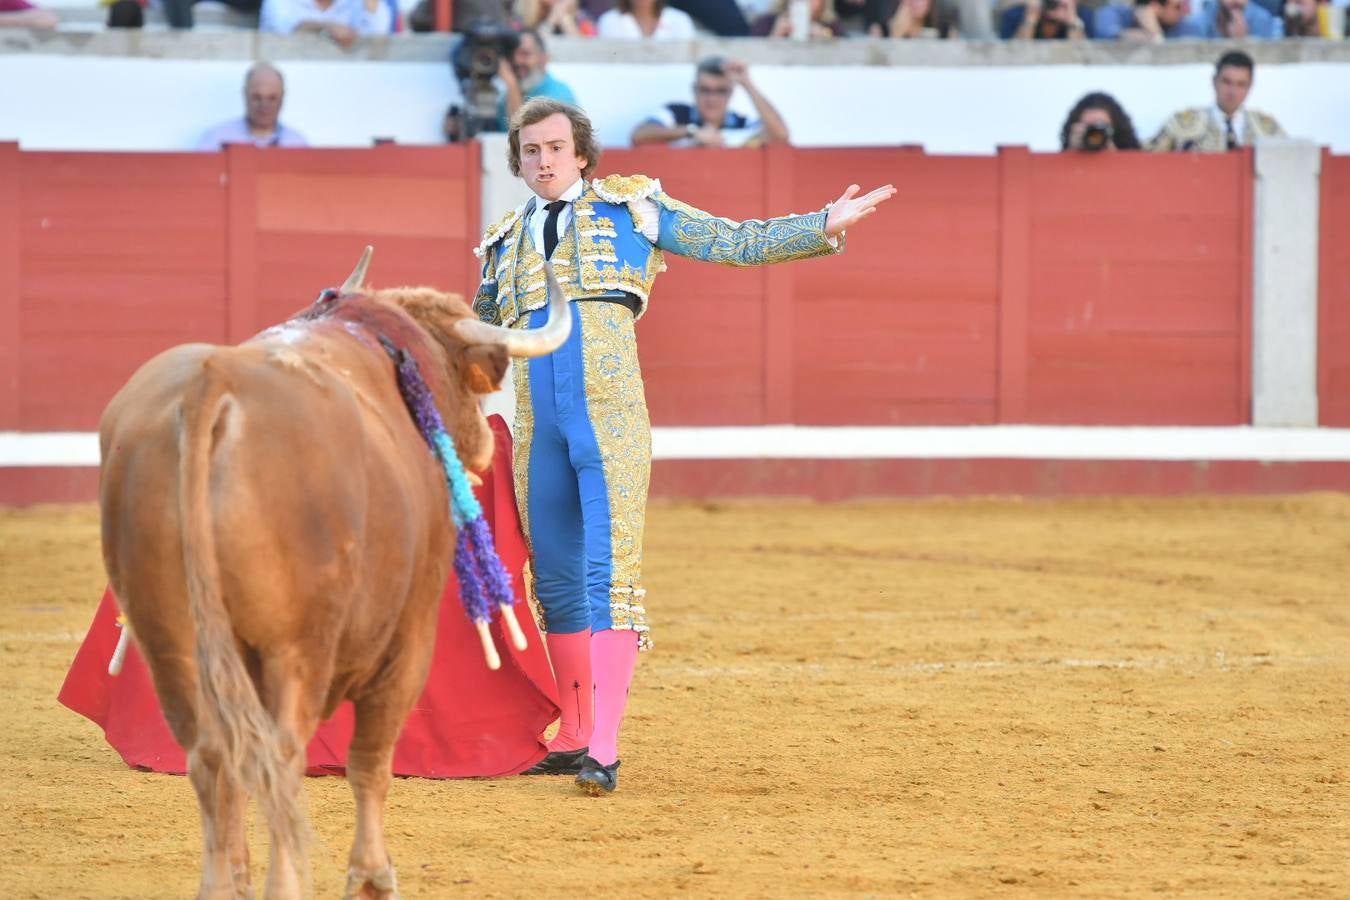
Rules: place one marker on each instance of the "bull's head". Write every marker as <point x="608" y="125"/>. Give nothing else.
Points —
<point x="476" y="354"/>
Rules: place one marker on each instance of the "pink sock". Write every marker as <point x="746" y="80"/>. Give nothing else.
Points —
<point x="571" y="658"/>
<point x="613" y="654"/>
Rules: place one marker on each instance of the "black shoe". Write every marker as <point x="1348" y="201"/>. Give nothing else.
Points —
<point x="559" y="762"/>
<point x="595" y="779"/>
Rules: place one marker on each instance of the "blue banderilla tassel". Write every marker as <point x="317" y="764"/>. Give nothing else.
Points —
<point x="483" y="580"/>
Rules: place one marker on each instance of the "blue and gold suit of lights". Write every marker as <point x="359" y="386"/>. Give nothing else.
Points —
<point x="582" y="435"/>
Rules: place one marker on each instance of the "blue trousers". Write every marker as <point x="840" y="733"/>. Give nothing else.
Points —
<point x="582" y="468"/>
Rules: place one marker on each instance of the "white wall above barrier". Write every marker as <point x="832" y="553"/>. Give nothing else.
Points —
<point x="133" y="103"/>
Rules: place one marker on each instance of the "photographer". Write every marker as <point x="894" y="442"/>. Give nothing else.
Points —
<point x="1096" y="123"/>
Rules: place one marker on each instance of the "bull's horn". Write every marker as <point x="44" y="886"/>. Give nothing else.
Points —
<point x="358" y="276"/>
<point x="531" y="341"/>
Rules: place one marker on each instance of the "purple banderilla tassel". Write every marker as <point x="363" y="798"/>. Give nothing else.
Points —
<point x="470" y="581"/>
<point x="418" y="397"/>
<point x="489" y="563"/>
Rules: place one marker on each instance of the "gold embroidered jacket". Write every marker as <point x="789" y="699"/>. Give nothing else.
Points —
<point x="612" y="256"/>
<point x="1198" y="129"/>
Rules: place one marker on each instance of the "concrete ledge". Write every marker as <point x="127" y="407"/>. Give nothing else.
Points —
<point x="244" y="44"/>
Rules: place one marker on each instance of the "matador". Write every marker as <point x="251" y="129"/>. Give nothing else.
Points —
<point x="582" y="433"/>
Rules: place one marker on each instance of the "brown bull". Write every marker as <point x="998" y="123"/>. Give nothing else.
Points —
<point x="278" y="533"/>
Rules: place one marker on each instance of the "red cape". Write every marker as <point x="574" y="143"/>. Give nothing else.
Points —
<point x="469" y="721"/>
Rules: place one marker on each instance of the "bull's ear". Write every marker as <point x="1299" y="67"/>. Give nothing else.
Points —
<point x="486" y="367"/>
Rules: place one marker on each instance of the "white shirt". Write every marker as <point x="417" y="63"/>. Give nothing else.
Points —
<point x="283" y="16"/>
<point x="644" y="209"/>
<point x="672" y="25"/>
<point x="1239" y="121"/>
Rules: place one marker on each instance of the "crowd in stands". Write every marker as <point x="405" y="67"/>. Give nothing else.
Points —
<point x="1096" y="123"/>
<point x="343" y="21"/>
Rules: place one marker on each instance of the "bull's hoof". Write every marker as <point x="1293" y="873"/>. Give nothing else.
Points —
<point x="378" y="885"/>
<point x="595" y="779"/>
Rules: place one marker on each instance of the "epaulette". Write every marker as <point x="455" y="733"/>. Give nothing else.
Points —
<point x="625" y="188"/>
<point x="498" y="231"/>
<point x="1188" y="118"/>
<point x="1265" y="122"/>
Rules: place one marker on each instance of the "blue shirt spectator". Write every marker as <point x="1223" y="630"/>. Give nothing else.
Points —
<point x="526" y="76"/>
<point x="1147" y="20"/>
<point x="1237" y="19"/>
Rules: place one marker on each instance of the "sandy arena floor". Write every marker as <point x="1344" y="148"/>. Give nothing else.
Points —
<point x="938" y="699"/>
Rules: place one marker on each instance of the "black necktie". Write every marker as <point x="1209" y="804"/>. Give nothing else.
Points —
<point x="551" y="226"/>
<point x="1230" y="136"/>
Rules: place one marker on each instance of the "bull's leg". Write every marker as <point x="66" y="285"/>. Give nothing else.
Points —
<point x="379" y="718"/>
<point x="287" y="694"/>
<point x="222" y="802"/>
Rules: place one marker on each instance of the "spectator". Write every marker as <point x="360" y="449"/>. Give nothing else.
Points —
<point x="1237" y="19"/>
<point x="638" y="19"/>
<point x="706" y="123"/>
<point x="264" y="91"/>
<point x="1043" y="20"/>
<point x="1147" y="20"/>
<point x="126" y="14"/>
<point x="1302" y="20"/>
<point x="723" y="18"/>
<point x="526" y="75"/>
<point x="1227" y="124"/>
<point x="343" y="21"/>
<point x="22" y="14"/>
<point x="1097" y="122"/>
<point x="553" y="17"/>
<point x="912" y="19"/>
<point x="822" y="23"/>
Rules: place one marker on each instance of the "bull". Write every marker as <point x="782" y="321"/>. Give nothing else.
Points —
<point x="278" y="533"/>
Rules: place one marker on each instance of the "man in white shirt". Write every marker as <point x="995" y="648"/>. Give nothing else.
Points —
<point x="1226" y="125"/>
<point x="264" y="91"/>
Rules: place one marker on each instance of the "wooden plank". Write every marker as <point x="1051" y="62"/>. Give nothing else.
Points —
<point x="241" y="243"/>
<point x="779" y="312"/>
<point x="1014" y="281"/>
<point x="11" y="322"/>
<point x="1245" y="188"/>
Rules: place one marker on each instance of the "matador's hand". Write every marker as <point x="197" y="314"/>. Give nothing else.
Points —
<point x="849" y="209"/>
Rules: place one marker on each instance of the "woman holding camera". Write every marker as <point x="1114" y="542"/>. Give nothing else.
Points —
<point x="1098" y="122"/>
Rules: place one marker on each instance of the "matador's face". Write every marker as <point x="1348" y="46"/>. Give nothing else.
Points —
<point x="548" y="156"/>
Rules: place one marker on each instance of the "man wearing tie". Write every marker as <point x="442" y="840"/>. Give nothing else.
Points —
<point x="582" y="435"/>
<point x="1227" y="124"/>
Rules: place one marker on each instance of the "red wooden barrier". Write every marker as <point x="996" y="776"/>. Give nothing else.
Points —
<point x="1017" y="288"/>
<point x="1333" y="287"/>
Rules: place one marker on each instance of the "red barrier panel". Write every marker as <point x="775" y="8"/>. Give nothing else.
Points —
<point x="1333" y="288"/>
<point x="1139" y="289"/>
<point x="1017" y="288"/>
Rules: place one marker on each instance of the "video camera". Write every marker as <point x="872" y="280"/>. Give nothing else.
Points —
<point x="476" y="59"/>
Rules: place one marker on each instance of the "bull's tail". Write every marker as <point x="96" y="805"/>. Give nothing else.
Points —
<point x="231" y="717"/>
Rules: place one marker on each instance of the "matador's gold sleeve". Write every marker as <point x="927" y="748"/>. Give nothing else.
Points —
<point x="485" y="304"/>
<point x="699" y="235"/>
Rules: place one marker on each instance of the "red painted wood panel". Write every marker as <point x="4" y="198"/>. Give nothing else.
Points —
<point x="901" y="328"/>
<point x="1333" y="285"/>
<point x="313" y="211"/>
<point x="122" y="256"/>
<point x="703" y="339"/>
<point x="1138" y="281"/>
<point x="11" y="321"/>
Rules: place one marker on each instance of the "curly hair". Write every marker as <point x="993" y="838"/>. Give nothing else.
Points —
<point x="533" y="111"/>
<point x="1122" y="128"/>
